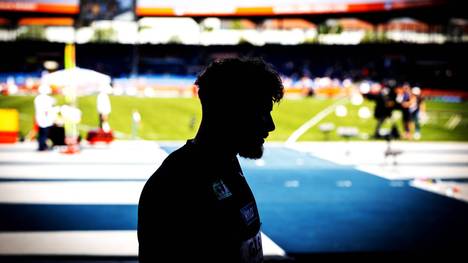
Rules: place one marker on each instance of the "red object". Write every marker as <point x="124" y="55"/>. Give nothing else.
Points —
<point x="71" y="149"/>
<point x="72" y="146"/>
<point x="8" y="137"/>
<point x="99" y="135"/>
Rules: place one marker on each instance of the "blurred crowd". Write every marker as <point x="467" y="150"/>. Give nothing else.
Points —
<point x="391" y="97"/>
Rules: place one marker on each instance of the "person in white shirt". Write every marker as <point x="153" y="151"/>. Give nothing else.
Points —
<point x="44" y="115"/>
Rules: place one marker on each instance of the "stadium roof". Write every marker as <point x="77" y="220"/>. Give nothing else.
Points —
<point x="222" y="7"/>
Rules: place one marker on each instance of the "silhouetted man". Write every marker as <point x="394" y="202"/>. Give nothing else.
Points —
<point x="198" y="206"/>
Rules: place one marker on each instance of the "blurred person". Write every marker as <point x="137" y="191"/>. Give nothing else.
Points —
<point x="198" y="206"/>
<point x="307" y="85"/>
<point x="402" y="103"/>
<point x="383" y="107"/>
<point x="136" y="120"/>
<point x="417" y="107"/>
<point x="57" y="130"/>
<point x="44" y="115"/>
<point x="71" y="118"/>
<point x="104" y="107"/>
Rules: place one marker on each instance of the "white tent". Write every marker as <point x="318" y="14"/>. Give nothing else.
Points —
<point x="85" y="81"/>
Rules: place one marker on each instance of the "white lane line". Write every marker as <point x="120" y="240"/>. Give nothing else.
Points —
<point x="71" y="192"/>
<point x="450" y="189"/>
<point x="83" y="243"/>
<point x="270" y="248"/>
<point x="92" y="157"/>
<point x="76" y="172"/>
<point x="314" y="120"/>
<point x="119" y="153"/>
<point x="87" y="243"/>
<point x="417" y="160"/>
<point x="402" y="172"/>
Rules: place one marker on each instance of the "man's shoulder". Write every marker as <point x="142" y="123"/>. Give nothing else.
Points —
<point x="178" y="166"/>
<point x="184" y="158"/>
<point x="179" y="178"/>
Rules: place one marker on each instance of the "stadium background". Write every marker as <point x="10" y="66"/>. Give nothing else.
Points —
<point x="153" y="50"/>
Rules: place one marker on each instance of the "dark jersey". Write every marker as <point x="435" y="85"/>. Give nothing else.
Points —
<point x="198" y="207"/>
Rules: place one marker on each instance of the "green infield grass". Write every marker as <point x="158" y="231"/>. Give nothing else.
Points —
<point x="178" y="118"/>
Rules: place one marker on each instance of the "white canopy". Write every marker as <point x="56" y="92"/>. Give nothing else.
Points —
<point x="85" y="81"/>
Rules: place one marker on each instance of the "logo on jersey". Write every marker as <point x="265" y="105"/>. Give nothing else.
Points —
<point x="248" y="213"/>
<point x="221" y="190"/>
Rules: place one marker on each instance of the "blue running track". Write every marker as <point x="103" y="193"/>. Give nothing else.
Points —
<point x="307" y="205"/>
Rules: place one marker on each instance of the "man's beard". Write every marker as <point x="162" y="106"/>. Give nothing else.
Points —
<point x="251" y="151"/>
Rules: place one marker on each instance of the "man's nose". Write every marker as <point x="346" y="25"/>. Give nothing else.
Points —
<point x="270" y="124"/>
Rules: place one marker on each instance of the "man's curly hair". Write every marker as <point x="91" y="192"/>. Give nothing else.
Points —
<point x="242" y="81"/>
